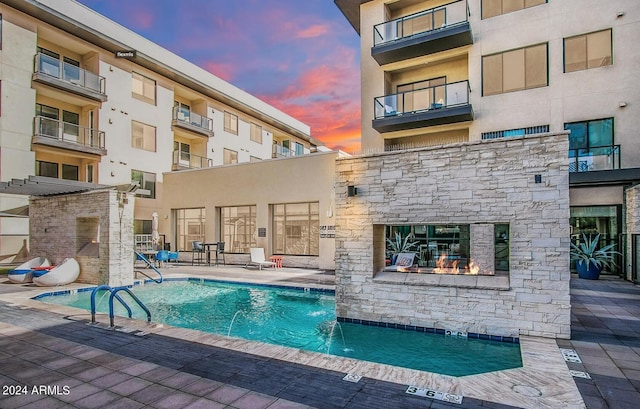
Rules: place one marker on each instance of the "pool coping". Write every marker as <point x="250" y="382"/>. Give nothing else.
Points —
<point x="543" y="381"/>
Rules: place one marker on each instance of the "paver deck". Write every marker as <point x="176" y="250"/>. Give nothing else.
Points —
<point x="87" y="366"/>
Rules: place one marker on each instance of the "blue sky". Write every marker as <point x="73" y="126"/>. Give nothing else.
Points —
<point x="301" y="56"/>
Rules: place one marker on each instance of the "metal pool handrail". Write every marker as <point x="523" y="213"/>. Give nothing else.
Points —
<point x="93" y="302"/>
<point x="149" y="264"/>
<point x="114" y="293"/>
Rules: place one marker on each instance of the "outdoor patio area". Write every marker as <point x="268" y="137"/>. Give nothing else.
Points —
<point x="164" y="367"/>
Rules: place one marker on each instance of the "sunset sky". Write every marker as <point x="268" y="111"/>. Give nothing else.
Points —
<point x="300" y="56"/>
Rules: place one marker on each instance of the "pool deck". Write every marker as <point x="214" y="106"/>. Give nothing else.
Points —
<point x="153" y="366"/>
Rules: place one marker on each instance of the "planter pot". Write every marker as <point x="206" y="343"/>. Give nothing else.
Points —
<point x="589" y="272"/>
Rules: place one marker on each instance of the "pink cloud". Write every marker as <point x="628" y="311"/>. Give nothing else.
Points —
<point x="140" y="18"/>
<point x="222" y="70"/>
<point x="315" y="30"/>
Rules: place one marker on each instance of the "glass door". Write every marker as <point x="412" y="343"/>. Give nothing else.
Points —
<point x="593" y="220"/>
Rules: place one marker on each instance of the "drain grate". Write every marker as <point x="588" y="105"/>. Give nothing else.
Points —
<point x="350" y="377"/>
<point x="430" y="393"/>
<point x="579" y="374"/>
<point x="570" y="355"/>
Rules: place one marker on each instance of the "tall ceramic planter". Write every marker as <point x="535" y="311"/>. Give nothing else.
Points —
<point x="588" y="271"/>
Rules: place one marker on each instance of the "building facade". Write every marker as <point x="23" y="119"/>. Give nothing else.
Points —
<point x="440" y="72"/>
<point x="87" y="100"/>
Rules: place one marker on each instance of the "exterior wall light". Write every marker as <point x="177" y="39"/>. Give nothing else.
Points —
<point x="352" y="191"/>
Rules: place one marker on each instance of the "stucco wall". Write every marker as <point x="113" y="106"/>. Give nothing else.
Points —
<point x="308" y="178"/>
<point x="480" y="183"/>
<point x="54" y="234"/>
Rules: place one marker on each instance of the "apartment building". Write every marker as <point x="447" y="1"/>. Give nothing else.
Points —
<point x="441" y="72"/>
<point x="86" y="100"/>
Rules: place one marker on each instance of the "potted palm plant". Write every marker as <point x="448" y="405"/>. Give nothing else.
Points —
<point x="590" y="260"/>
<point x="400" y="245"/>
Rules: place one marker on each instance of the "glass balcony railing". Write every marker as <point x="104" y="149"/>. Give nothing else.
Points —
<point x="70" y="133"/>
<point x="188" y="160"/>
<point x="422" y="22"/>
<point x="186" y="117"/>
<point x="600" y="158"/>
<point x="424" y="99"/>
<point x="69" y="73"/>
<point x="280" y="151"/>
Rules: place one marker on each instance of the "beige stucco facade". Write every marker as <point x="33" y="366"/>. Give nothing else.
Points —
<point x="303" y="179"/>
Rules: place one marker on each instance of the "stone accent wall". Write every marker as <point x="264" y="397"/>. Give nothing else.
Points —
<point x="54" y="233"/>
<point x="478" y="183"/>
<point x="632" y="199"/>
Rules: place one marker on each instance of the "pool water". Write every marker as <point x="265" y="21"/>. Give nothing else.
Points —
<point x="301" y="319"/>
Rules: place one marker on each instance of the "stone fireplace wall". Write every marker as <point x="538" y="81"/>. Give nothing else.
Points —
<point x="56" y="221"/>
<point x="522" y="182"/>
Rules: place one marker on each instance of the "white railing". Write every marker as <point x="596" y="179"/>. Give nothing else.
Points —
<point x="67" y="132"/>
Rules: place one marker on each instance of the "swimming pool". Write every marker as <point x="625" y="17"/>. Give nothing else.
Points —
<point x="304" y="319"/>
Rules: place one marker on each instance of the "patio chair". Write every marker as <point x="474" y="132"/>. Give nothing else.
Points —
<point x="197" y="252"/>
<point x="220" y="253"/>
<point x="258" y="258"/>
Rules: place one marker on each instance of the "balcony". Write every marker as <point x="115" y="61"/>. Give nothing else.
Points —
<point x="593" y="159"/>
<point x="64" y="135"/>
<point x="427" y="32"/>
<point x="280" y="151"/>
<point x="68" y="77"/>
<point x="437" y="105"/>
<point x="186" y="160"/>
<point x="192" y="122"/>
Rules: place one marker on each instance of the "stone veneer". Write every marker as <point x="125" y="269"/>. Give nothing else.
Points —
<point x="632" y="199"/>
<point x="54" y="226"/>
<point x="478" y="183"/>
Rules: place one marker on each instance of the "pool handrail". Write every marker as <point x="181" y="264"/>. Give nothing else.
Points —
<point x="114" y="292"/>
<point x="93" y="302"/>
<point x="149" y="264"/>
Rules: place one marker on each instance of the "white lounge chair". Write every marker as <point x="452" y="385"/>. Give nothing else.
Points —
<point x="258" y="258"/>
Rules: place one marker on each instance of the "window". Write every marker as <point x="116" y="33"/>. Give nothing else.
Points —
<point x="298" y="149"/>
<point x="296" y="229"/>
<point x="48" y="169"/>
<point x="190" y="226"/>
<point x="143" y="136"/>
<point x="256" y="133"/>
<point x="238" y="228"/>
<point x="421" y="95"/>
<point x="590" y="142"/>
<point x="588" y="51"/>
<point x="70" y="120"/>
<point x="48" y="123"/>
<point x="492" y="8"/>
<point x="143" y="88"/>
<point x="183" y="111"/>
<point x="516" y="132"/>
<point x="230" y="157"/>
<point x="90" y="173"/>
<point x="69" y="172"/>
<point x="230" y="123"/>
<point x="593" y="220"/>
<point x="515" y="70"/>
<point x="147" y="181"/>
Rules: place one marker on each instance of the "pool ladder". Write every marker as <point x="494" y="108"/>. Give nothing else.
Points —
<point x="114" y="295"/>
<point x="140" y="256"/>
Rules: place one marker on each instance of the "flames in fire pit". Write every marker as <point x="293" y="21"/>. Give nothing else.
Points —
<point x="447" y="265"/>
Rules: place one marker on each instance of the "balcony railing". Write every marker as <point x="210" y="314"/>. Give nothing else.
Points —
<point x="600" y="158"/>
<point x="186" y="160"/>
<point x="68" y="134"/>
<point x="422" y="22"/>
<point x="192" y="121"/>
<point x="280" y="151"/>
<point x="68" y="73"/>
<point x="425" y="99"/>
